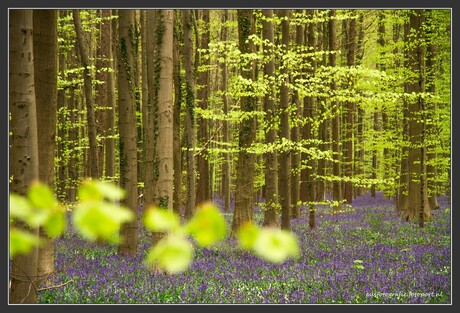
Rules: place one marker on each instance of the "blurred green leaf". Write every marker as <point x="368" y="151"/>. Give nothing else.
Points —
<point x="172" y="253"/>
<point x="56" y="224"/>
<point x="276" y="245"/>
<point x="22" y="242"/>
<point x="98" y="220"/>
<point x="207" y="225"/>
<point x="41" y="196"/>
<point x="19" y="206"/>
<point x="162" y="220"/>
<point x="247" y="235"/>
<point x="88" y="190"/>
<point x="109" y="190"/>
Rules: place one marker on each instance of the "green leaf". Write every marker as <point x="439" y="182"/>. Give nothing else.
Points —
<point x="172" y="253"/>
<point x="41" y="196"/>
<point x="109" y="190"/>
<point x="22" y="242"/>
<point x="276" y="245"/>
<point x="19" y="207"/>
<point x="56" y="224"/>
<point x="99" y="220"/>
<point x="162" y="220"/>
<point x="207" y="225"/>
<point x="88" y="190"/>
<point x="247" y="235"/>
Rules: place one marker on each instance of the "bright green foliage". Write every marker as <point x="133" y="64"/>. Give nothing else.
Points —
<point x="247" y="235"/>
<point x="94" y="217"/>
<point x="161" y="220"/>
<point x="358" y="264"/>
<point x="38" y="209"/>
<point x="21" y="242"/>
<point x="173" y="253"/>
<point x="207" y="225"/>
<point x="272" y="244"/>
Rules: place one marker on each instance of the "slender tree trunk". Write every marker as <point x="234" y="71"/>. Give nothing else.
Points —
<point x="226" y="166"/>
<point x="244" y="199"/>
<point x="324" y="146"/>
<point x="271" y="158"/>
<point x="151" y="112"/>
<point x="284" y="156"/>
<point x="110" y="123"/>
<point x="350" y="113"/>
<point x="337" y="190"/>
<point x="90" y="115"/>
<point x="45" y="69"/>
<point x="189" y="113"/>
<point x="127" y="129"/>
<point x="164" y="145"/>
<point x="415" y="104"/>
<point x="24" y="143"/>
<point x="177" y="196"/>
<point x="358" y="171"/>
<point x="203" y="181"/>
<point x="309" y="192"/>
<point x="430" y="87"/>
<point x="295" y="136"/>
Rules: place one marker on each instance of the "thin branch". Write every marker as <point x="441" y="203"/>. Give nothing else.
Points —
<point x="55" y="286"/>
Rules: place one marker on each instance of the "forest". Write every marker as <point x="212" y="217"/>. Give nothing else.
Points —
<point x="230" y="156"/>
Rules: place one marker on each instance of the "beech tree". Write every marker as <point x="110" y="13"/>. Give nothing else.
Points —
<point x="23" y="151"/>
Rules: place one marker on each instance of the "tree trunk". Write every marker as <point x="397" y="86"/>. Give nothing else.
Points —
<point x="337" y="190"/>
<point x="90" y="115"/>
<point x="110" y="123"/>
<point x="416" y="85"/>
<point x="151" y="111"/>
<point x="203" y="181"/>
<point x="226" y="166"/>
<point x="177" y="196"/>
<point x="244" y="200"/>
<point x="284" y="156"/>
<point x="430" y="87"/>
<point x="45" y="69"/>
<point x="102" y="64"/>
<point x="295" y="136"/>
<point x="271" y="158"/>
<point x="127" y="129"/>
<point x="351" y="43"/>
<point x="164" y="145"/>
<point x="23" y="144"/>
<point x="189" y="113"/>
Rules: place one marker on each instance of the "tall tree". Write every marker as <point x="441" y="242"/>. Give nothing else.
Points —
<point x="164" y="144"/>
<point x="244" y="199"/>
<point x="111" y="101"/>
<point x="177" y="200"/>
<point x="271" y="157"/>
<point x="150" y="132"/>
<point x="189" y="113"/>
<point x="203" y="180"/>
<point x="102" y="73"/>
<point x="295" y="136"/>
<point x="308" y="192"/>
<point x="416" y="86"/>
<point x="226" y="166"/>
<point x="23" y="142"/>
<point x="45" y="69"/>
<point x="351" y="51"/>
<point x="430" y="86"/>
<point x="337" y="190"/>
<point x="284" y="157"/>
<point x="127" y="129"/>
<point x="90" y="115"/>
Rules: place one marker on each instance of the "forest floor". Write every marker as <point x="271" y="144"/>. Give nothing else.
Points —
<point x="365" y="255"/>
